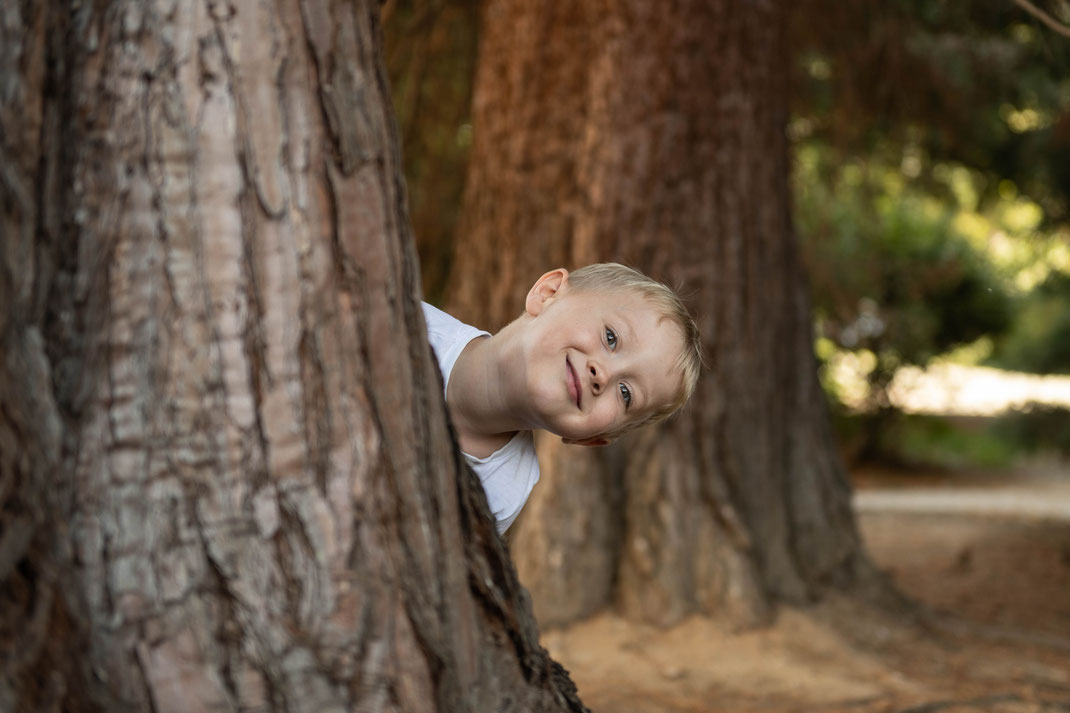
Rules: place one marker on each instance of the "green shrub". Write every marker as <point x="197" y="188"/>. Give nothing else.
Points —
<point x="888" y="271"/>
<point x="1037" y="428"/>
<point x="1039" y="340"/>
<point x="920" y="442"/>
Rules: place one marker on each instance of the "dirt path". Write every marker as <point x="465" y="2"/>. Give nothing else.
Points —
<point x="991" y="562"/>
<point x="1017" y="502"/>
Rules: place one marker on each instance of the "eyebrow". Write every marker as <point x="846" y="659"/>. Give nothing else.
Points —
<point x="627" y="323"/>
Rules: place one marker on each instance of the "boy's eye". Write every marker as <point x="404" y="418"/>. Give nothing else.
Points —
<point x="611" y="338"/>
<point x="626" y="394"/>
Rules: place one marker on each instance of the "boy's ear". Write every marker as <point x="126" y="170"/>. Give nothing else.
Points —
<point x="545" y="289"/>
<point x="592" y="441"/>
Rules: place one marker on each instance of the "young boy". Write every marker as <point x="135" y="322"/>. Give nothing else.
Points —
<point x="595" y="354"/>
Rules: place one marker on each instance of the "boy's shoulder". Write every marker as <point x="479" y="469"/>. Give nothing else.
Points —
<point x="448" y="337"/>
<point x="441" y="320"/>
<point x="447" y="326"/>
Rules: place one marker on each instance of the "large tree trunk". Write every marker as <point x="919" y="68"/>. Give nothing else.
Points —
<point x="226" y="476"/>
<point x="653" y="134"/>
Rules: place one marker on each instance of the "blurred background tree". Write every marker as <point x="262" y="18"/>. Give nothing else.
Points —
<point x="430" y="57"/>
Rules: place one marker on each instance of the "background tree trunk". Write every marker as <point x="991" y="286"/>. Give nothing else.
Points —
<point x="226" y="477"/>
<point x="653" y="134"/>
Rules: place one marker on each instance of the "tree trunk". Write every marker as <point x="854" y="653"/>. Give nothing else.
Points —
<point x="226" y="476"/>
<point x="653" y="134"/>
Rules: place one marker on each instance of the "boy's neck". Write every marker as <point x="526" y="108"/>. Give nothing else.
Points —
<point x="478" y="398"/>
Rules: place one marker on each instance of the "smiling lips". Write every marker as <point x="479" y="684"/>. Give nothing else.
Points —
<point x="573" y="382"/>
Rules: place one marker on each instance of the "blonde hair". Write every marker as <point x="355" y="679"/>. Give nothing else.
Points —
<point x="609" y="276"/>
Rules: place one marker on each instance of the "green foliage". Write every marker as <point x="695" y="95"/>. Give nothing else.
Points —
<point x="918" y="441"/>
<point x="932" y="185"/>
<point x="889" y="271"/>
<point x="1039" y="341"/>
<point x="925" y="441"/>
<point x="1037" y="428"/>
<point x="949" y="443"/>
<point x="981" y="84"/>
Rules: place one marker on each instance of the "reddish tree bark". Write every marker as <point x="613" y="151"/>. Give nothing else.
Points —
<point x="226" y="477"/>
<point x="653" y="134"/>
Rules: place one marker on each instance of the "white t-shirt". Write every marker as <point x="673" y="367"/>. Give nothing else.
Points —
<point x="509" y="473"/>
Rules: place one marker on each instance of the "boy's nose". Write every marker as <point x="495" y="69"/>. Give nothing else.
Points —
<point x="596" y="378"/>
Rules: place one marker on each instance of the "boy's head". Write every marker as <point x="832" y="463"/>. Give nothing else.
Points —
<point x="622" y="346"/>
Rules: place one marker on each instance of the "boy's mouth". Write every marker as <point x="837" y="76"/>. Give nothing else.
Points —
<point x="573" y="382"/>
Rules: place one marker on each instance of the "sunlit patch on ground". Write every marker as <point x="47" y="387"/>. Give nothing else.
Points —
<point x="974" y="390"/>
<point x="955" y="389"/>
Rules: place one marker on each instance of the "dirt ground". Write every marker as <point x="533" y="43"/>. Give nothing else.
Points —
<point x="994" y="633"/>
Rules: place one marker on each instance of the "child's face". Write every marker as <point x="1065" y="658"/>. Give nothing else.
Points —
<point x="595" y="361"/>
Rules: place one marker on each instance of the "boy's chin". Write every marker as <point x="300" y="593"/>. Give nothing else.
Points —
<point x="591" y="441"/>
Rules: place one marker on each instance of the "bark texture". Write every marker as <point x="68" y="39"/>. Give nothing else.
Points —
<point x="226" y="477"/>
<point x="653" y="134"/>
